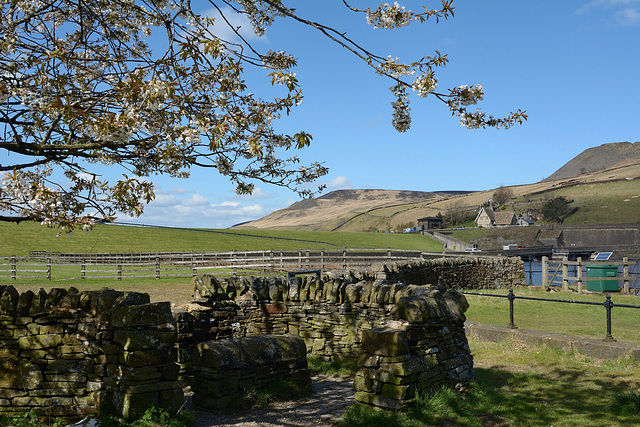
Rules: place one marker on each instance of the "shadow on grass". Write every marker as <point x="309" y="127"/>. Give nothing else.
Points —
<point x="558" y="396"/>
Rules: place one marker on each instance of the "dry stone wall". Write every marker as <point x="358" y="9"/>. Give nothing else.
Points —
<point x="331" y="314"/>
<point x="66" y="353"/>
<point x="398" y="363"/>
<point x="456" y="272"/>
<point x="224" y="370"/>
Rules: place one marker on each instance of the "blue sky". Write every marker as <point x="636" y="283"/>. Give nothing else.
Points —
<point x="572" y="65"/>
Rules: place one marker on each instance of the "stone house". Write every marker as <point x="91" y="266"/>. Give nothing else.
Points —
<point x="488" y="217"/>
<point x="429" y="223"/>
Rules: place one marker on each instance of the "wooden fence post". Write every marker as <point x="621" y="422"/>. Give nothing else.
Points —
<point x="344" y="259"/>
<point x="82" y="269"/>
<point x="565" y="274"/>
<point x="625" y="274"/>
<point x="545" y="273"/>
<point x="14" y="272"/>
<point x="48" y="268"/>
<point x="308" y="263"/>
<point x="579" y="274"/>
<point x="272" y="266"/>
<point x="119" y="268"/>
<point x="194" y="268"/>
<point x="299" y="260"/>
<point x="233" y="262"/>
<point x="157" y="267"/>
<point x="322" y="259"/>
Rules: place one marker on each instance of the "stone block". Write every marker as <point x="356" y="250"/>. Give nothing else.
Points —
<point x="388" y="377"/>
<point x="137" y="339"/>
<point x="353" y="292"/>
<point x="24" y="303"/>
<point x="217" y="354"/>
<point x="275" y="293"/>
<point x="37" y="302"/>
<point x="294" y="289"/>
<point x="133" y="406"/>
<point x="372" y="399"/>
<point x="404" y="369"/>
<point x="9" y="301"/>
<point x="37" y="342"/>
<point x="398" y="391"/>
<point x="363" y="382"/>
<point x="385" y="342"/>
<point x="128" y="373"/>
<point x="54" y="297"/>
<point x="141" y="315"/>
<point x="137" y="387"/>
<point x="278" y="308"/>
<point x="20" y="374"/>
<point x="148" y="357"/>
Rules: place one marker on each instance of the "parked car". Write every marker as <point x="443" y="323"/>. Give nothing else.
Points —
<point x="472" y="250"/>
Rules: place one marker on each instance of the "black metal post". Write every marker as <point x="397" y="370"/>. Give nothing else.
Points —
<point x="608" y="305"/>
<point x="511" y="297"/>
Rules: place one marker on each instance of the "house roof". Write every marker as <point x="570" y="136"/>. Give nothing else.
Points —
<point x="488" y="211"/>
<point x="497" y="218"/>
<point x="504" y="218"/>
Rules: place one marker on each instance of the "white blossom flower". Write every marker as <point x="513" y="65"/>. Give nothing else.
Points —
<point x="389" y="17"/>
<point x="425" y="85"/>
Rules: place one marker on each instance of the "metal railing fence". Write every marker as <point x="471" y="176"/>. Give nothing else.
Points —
<point x="511" y="297"/>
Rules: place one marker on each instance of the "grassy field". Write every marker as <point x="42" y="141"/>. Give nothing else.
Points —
<point x="602" y="203"/>
<point x="20" y="239"/>
<point x="569" y="319"/>
<point x="525" y="386"/>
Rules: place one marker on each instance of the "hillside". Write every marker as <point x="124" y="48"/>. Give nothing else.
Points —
<point x="331" y="211"/>
<point x="586" y="180"/>
<point x="605" y="156"/>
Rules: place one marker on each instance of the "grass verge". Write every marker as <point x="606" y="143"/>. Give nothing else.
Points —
<point x="587" y="321"/>
<point x="337" y="368"/>
<point x="524" y="386"/>
<point x="153" y="417"/>
<point x="28" y="236"/>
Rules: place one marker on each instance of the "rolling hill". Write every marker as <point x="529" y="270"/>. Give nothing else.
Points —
<point x="603" y="183"/>
<point x="334" y="210"/>
<point x="594" y="159"/>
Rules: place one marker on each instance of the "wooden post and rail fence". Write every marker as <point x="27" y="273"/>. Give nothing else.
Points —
<point x="187" y="264"/>
<point x="557" y="271"/>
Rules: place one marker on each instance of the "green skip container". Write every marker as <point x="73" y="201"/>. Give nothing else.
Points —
<point x="601" y="271"/>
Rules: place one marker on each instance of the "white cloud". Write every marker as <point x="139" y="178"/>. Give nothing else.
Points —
<point x="627" y="16"/>
<point x="178" y="190"/>
<point x="196" y="200"/>
<point x="339" y="183"/>
<point x="187" y="209"/>
<point x="624" y="12"/>
<point x="237" y="21"/>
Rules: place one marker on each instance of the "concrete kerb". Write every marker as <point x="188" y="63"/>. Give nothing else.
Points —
<point x="588" y="346"/>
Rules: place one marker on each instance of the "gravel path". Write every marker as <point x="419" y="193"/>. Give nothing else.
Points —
<point x="330" y="397"/>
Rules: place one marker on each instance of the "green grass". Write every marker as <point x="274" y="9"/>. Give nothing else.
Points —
<point x="603" y="203"/>
<point x="341" y="368"/>
<point x="153" y="417"/>
<point x="524" y="386"/>
<point x="569" y="319"/>
<point x="28" y="236"/>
